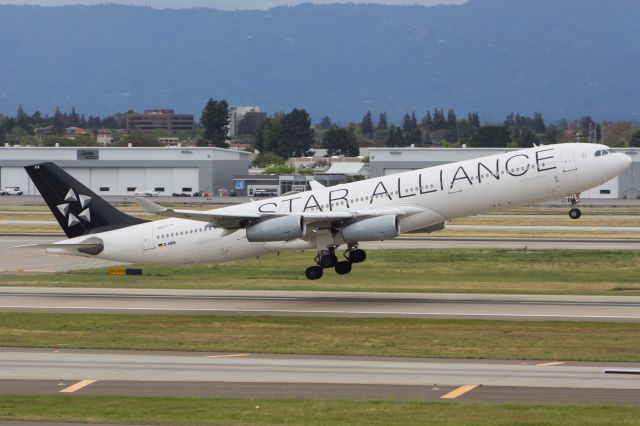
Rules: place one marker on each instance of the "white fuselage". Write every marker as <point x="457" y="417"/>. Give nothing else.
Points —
<point x="440" y="193"/>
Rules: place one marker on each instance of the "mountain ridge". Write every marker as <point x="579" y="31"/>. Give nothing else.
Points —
<point x="492" y="56"/>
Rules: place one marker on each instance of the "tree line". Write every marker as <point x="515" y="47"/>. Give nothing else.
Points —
<point x="292" y="134"/>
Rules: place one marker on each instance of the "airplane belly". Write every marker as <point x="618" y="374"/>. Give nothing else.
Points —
<point x="229" y="247"/>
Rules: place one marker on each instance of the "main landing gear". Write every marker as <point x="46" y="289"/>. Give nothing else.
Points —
<point x="575" y="212"/>
<point x="328" y="259"/>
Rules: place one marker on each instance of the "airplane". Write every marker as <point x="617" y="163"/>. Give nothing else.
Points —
<point x="323" y="218"/>
<point x="146" y="192"/>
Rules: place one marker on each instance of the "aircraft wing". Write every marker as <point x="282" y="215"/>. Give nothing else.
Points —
<point x="92" y="245"/>
<point x="235" y="220"/>
<point x="204" y="216"/>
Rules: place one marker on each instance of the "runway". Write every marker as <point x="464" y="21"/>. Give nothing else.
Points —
<point x="31" y="260"/>
<point x="330" y="304"/>
<point x="25" y="371"/>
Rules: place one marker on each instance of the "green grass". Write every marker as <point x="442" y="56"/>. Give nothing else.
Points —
<point x="584" y="341"/>
<point x="210" y="411"/>
<point x="429" y="270"/>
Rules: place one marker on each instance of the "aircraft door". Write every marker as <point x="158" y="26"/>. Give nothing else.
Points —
<point x="568" y="162"/>
<point x="148" y="243"/>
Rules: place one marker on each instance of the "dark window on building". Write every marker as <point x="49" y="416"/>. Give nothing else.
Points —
<point x="104" y="189"/>
<point x="88" y="154"/>
<point x="605" y="191"/>
<point x="159" y="189"/>
<point x="131" y="189"/>
<point x="186" y="189"/>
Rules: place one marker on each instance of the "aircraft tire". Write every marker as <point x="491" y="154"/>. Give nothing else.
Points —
<point x="575" y="213"/>
<point x="313" y="272"/>
<point x="357" y="256"/>
<point x="343" y="267"/>
<point x="328" y="261"/>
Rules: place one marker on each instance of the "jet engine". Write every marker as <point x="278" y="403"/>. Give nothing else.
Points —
<point x="283" y="228"/>
<point x="374" y="229"/>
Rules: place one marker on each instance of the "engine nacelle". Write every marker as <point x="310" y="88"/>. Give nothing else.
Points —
<point x="374" y="229"/>
<point x="283" y="228"/>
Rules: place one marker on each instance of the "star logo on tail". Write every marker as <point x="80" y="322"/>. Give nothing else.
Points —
<point x="64" y="208"/>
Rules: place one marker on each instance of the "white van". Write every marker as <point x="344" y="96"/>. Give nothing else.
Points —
<point x="11" y="190"/>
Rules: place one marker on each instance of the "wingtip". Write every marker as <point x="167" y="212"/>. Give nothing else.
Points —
<point x="149" y="206"/>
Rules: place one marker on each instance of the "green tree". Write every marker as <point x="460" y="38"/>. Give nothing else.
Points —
<point x="383" y="123"/>
<point x="395" y="137"/>
<point x="325" y="123"/>
<point x="635" y="139"/>
<point x="524" y="137"/>
<point x="137" y="138"/>
<point x="215" y="121"/>
<point x="427" y="122"/>
<point x="23" y="121"/>
<point x="407" y="125"/>
<point x="340" y="141"/>
<point x="367" y="125"/>
<point x="551" y="136"/>
<point x="59" y="126"/>
<point x="85" y="140"/>
<point x="298" y="134"/>
<point x="57" y="140"/>
<point x="17" y="135"/>
<point x="474" y="120"/>
<point x="538" y="123"/>
<point x="286" y="135"/>
<point x="439" y="121"/>
<point x="490" y="136"/>
<point x="265" y="159"/>
<point x="452" y="120"/>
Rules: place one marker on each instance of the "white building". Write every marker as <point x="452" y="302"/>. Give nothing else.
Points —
<point x="119" y="171"/>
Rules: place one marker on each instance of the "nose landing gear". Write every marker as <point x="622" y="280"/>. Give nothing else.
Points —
<point x="328" y="259"/>
<point x="575" y="212"/>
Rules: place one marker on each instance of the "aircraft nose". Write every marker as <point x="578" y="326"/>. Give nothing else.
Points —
<point x="625" y="161"/>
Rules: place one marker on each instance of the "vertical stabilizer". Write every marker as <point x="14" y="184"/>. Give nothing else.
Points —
<point x="77" y="209"/>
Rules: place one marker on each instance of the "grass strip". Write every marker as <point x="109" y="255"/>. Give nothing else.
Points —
<point x="580" y="341"/>
<point x="217" y="411"/>
<point x="423" y="270"/>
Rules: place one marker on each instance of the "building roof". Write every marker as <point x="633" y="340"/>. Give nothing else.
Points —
<point x="350" y="169"/>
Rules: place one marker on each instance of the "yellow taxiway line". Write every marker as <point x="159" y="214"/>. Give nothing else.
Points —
<point x="550" y="364"/>
<point x="459" y="391"/>
<point x="76" y="387"/>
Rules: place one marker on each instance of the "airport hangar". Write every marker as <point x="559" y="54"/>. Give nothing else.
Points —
<point x="120" y="171"/>
<point x="387" y="161"/>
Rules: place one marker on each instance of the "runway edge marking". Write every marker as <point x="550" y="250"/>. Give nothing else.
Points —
<point x="459" y="391"/>
<point x="77" y="386"/>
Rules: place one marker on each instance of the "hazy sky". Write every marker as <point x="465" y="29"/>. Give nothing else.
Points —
<point x="225" y="4"/>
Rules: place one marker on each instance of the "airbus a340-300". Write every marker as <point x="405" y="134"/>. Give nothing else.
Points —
<point x="323" y="218"/>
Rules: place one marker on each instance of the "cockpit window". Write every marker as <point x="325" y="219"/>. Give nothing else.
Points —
<point x="603" y="152"/>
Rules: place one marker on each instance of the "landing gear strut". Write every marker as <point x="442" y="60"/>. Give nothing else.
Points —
<point x="328" y="259"/>
<point x="575" y="212"/>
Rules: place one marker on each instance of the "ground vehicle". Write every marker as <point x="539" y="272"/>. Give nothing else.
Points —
<point x="11" y="190"/>
<point x="264" y="193"/>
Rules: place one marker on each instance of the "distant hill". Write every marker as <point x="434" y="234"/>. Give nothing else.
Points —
<point x="564" y="58"/>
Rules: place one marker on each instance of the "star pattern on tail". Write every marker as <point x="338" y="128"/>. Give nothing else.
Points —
<point x="65" y="208"/>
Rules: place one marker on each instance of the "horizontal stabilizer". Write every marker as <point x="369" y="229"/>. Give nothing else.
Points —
<point x="62" y="246"/>
<point x="204" y="216"/>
